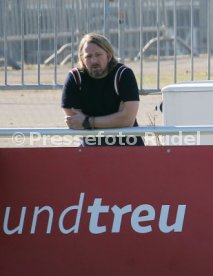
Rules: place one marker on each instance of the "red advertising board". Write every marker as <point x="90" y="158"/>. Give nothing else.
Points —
<point x="106" y="211"/>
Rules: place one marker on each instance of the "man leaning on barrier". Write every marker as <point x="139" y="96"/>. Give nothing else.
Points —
<point x="101" y="93"/>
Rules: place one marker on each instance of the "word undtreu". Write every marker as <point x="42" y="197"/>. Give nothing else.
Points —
<point x="141" y="218"/>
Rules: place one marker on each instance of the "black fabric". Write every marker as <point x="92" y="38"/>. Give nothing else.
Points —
<point x="98" y="97"/>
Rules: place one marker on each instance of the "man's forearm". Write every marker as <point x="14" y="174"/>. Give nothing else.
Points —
<point x="125" y="117"/>
<point x="114" y="120"/>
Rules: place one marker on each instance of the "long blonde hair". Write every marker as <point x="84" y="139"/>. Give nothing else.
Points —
<point x="100" y="41"/>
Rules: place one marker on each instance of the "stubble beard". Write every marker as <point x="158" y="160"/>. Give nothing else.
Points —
<point x="97" y="72"/>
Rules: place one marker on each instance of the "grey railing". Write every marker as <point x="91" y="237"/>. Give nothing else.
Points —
<point x="158" y="130"/>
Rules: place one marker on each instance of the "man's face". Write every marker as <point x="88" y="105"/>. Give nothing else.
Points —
<point x="96" y="60"/>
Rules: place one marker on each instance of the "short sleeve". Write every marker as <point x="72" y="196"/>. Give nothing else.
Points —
<point x="128" y="88"/>
<point x="70" y="94"/>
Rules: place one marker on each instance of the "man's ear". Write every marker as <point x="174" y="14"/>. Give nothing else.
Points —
<point x="109" y="57"/>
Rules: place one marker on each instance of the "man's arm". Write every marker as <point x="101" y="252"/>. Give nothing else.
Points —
<point x="125" y="117"/>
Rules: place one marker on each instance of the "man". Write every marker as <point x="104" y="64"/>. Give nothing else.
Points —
<point x="90" y="98"/>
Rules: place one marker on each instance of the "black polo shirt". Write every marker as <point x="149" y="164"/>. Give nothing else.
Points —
<point x="98" y="97"/>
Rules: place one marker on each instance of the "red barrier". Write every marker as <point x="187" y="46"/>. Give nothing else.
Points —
<point x="106" y="211"/>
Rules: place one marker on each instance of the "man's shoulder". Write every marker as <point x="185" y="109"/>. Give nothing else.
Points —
<point x="76" y="69"/>
<point x="119" y="65"/>
<point x="118" y="68"/>
<point x="77" y="73"/>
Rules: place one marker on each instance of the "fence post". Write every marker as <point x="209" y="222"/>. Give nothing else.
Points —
<point x="209" y="37"/>
<point x="141" y="44"/>
<point x="106" y="17"/>
<point x="5" y="42"/>
<point x="121" y="29"/>
<point x="175" y="41"/>
<point x="192" y="40"/>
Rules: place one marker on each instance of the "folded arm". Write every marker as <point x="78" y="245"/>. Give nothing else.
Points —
<point x="125" y="117"/>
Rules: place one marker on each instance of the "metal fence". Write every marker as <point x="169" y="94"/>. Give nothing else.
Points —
<point x="43" y="32"/>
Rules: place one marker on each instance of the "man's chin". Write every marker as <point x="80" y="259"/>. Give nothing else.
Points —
<point x="97" y="74"/>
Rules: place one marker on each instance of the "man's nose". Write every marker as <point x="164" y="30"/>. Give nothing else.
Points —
<point x="94" y="59"/>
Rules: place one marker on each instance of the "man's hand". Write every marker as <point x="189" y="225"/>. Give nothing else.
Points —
<point x="75" y="121"/>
